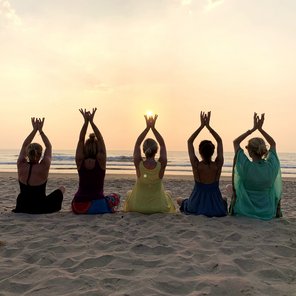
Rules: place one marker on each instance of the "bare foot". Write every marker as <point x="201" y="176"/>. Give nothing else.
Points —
<point x="63" y="189"/>
<point x="179" y="201"/>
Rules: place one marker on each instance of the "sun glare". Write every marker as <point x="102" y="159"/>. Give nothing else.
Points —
<point x="149" y="113"/>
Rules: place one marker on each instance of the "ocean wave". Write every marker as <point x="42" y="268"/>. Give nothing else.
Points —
<point x="120" y="158"/>
<point x="126" y="161"/>
<point x="123" y="161"/>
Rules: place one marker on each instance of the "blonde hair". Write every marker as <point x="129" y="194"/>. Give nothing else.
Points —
<point x="91" y="146"/>
<point x="150" y="147"/>
<point x="258" y="147"/>
<point x="34" y="152"/>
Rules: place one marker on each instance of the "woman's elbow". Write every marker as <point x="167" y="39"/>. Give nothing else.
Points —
<point x="235" y="145"/>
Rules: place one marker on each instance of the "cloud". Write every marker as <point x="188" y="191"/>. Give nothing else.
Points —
<point x="186" y="2"/>
<point x="196" y="4"/>
<point x="212" y="4"/>
<point x="8" y="14"/>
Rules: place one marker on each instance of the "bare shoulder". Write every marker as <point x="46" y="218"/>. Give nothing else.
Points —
<point x="45" y="163"/>
<point x="218" y="162"/>
<point x="208" y="172"/>
<point x="22" y="169"/>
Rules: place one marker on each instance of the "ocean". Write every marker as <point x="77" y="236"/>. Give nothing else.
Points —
<point x="121" y="162"/>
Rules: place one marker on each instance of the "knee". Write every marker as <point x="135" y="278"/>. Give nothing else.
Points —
<point x="179" y="201"/>
<point x="63" y="189"/>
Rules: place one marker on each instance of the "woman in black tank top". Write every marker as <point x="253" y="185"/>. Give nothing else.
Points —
<point x="32" y="175"/>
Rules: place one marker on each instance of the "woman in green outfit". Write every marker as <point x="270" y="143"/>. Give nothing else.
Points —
<point x="257" y="183"/>
<point x="148" y="195"/>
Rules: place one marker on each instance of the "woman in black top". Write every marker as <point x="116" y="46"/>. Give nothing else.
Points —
<point x="33" y="173"/>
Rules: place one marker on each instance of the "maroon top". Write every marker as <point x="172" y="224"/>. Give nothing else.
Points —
<point x="91" y="183"/>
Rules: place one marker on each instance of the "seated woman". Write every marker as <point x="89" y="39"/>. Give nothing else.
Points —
<point x="257" y="183"/>
<point x="33" y="173"/>
<point x="91" y="165"/>
<point x="148" y="195"/>
<point x="206" y="198"/>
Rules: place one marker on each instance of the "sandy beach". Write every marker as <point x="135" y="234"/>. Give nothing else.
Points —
<point x="136" y="254"/>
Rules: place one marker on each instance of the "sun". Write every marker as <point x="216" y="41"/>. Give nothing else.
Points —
<point x="149" y="113"/>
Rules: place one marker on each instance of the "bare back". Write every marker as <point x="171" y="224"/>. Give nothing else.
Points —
<point x="39" y="173"/>
<point x="207" y="173"/>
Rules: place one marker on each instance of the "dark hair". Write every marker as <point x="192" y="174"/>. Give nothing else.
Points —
<point x="206" y="150"/>
<point x="91" y="147"/>
<point x="150" y="147"/>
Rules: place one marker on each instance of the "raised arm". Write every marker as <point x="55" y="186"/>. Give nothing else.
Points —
<point x="48" y="149"/>
<point x="268" y="138"/>
<point x="192" y="156"/>
<point x="27" y="141"/>
<point x="102" y="154"/>
<point x="80" y="145"/>
<point x="160" y="140"/>
<point x="137" y="148"/>
<point x="238" y="140"/>
<point x="219" y="159"/>
<point x="162" y="147"/>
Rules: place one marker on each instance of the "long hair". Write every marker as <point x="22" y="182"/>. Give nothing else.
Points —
<point x="34" y="152"/>
<point x="206" y="150"/>
<point x="91" y="147"/>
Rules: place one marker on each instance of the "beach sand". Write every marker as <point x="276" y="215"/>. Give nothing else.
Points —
<point x="136" y="254"/>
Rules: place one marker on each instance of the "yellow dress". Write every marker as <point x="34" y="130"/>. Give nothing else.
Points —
<point x="148" y="195"/>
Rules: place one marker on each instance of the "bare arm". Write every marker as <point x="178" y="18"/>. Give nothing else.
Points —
<point x="162" y="147"/>
<point x="102" y="154"/>
<point x="79" y="156"/>
<point x="27" y="141"/>
<point x="219" y="159"/>
<point x="162" y="152"/>
<point x="137" y="148"/>
<point x="238" y="140"/>
<point x="268" y="138"/>
<point x="159" y="139"/>
<point x="191" y="152"/>
<point x="48" y="148"/>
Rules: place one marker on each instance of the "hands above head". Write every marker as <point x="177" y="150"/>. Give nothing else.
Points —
<point x="37" y="123"/>
<point x="205" y="119"/>
<point x="258" y="121"/>
<point x="40" y="124"/>
<point x="255" y="121"/>
<point x="88" y="115"/>
<point x="150" y="121"/>
<point x="85" y="114"/>
<point x="34" y="123"/>
<point x="261" y="121"/>
<point x="92" y="114"/>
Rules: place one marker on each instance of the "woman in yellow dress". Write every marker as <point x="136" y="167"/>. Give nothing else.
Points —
<point x="148" y="195"/>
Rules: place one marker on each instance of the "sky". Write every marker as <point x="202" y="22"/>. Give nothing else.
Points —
<point x="125" y="57"/>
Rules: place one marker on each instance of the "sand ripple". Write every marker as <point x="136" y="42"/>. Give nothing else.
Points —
<point x="135" y="254"/>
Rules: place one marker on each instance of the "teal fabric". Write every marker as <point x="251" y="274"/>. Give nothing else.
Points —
<point x="258" y="186"/>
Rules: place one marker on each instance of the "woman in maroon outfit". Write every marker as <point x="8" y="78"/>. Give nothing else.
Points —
<point x="91" y="166"/>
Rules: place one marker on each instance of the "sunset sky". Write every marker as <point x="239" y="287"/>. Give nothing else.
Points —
<point x="173" y="57"/>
